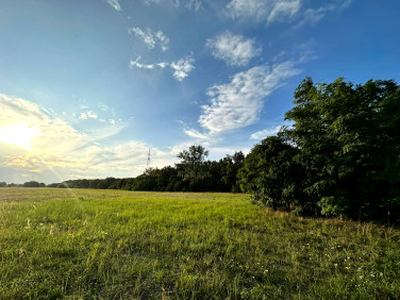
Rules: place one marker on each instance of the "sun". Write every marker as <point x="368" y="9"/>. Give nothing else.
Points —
<point x="18" y="134"/>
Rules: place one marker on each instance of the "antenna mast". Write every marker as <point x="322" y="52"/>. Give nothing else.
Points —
<point x="148" y="159"/>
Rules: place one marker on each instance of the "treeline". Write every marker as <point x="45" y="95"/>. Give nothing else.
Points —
<point x="341" y="156"/>
<point x="193" y="174"/>
<point x="26" y="184"/>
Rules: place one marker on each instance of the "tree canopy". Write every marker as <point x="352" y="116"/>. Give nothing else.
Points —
<point x="346" y="139"/>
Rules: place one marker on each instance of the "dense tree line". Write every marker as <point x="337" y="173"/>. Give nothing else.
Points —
<point x="341" y="157"/>
<point x="26" y="184"/>
<point x="194" y="173"/>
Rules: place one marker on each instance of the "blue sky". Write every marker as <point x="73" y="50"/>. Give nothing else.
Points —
<point x="88" y="87"/>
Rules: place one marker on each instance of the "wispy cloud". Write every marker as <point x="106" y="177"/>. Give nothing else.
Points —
<point x="259" y="135"/>
<point x="313" y="15"/>
<point x="114" y="4"/>
<point x="301" y="53"/>
<point x="235" y="50"/>
<point x="346" y="4"/>
<point x="195" y="134"/>
<point x="237" y="104"/>
<point x="88" y="115"/>
<point x="283" y="10"/>
<point x="180" y="68"/>
<point x="151" y="38"/>
<point x="188" y="4"/>
<point x="264" y="10"/>
<point x="137" y="64"/>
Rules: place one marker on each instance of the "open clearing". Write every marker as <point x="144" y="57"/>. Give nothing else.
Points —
<point x="60" y="243"/>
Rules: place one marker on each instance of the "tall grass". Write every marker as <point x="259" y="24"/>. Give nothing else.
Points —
<point x="57" y="243"/>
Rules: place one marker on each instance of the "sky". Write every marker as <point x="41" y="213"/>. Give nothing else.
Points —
<point x="89" y="87"/>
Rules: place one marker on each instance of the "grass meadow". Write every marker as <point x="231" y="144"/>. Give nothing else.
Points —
<point x="106" y="244"/>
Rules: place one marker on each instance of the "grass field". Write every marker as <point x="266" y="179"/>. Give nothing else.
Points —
<point x="105" y="244"/>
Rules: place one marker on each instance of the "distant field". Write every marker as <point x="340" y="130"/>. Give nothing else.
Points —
<point x="59" y="243"/>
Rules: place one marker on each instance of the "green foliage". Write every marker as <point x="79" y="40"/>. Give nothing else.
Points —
<point x="340" y="158"/>
<point x="271" y="174"/>
<point x="349" y="144"/>
<point x="115" y="244"/>
<point x="33" y="184"/>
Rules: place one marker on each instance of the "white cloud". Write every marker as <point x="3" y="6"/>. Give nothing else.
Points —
<point x="58" y="152"/>
<point x="182" y="68"/>
<point x="88" y="115"/>
<point x="137" y="64"/>
<point x="259" y="135"/>
<point x="282" y="10"/>
<point x="151" y="38"/>
<point x="235" y="50"/>
<point x="114" y="4"/>
<point x="237" y="104"/>
<point x="162" y="65"/>
<point x="264" y="10"/>
<point x="188" y="4"/>
<point x="195" y="134"/>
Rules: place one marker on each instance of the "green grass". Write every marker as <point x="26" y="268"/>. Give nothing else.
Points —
<point x="103" y="244"/>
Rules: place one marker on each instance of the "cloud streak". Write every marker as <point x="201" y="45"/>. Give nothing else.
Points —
<point x="188" y="4"/>
<point x="314" y="15"/>
<point x="151" y="38"/>
<point x="180" y="68"/>
<point x="114" y="4"/>
<point x="269" y="11"/>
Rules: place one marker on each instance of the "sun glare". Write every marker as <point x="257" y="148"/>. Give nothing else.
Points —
<point x="18" y="134"/>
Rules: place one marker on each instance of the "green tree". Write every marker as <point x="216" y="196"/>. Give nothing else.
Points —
<point x="31" y="184"/>
<point x="349" y="144"/>
<point x="191" y="167"/>
<point x="270" y="173"/>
